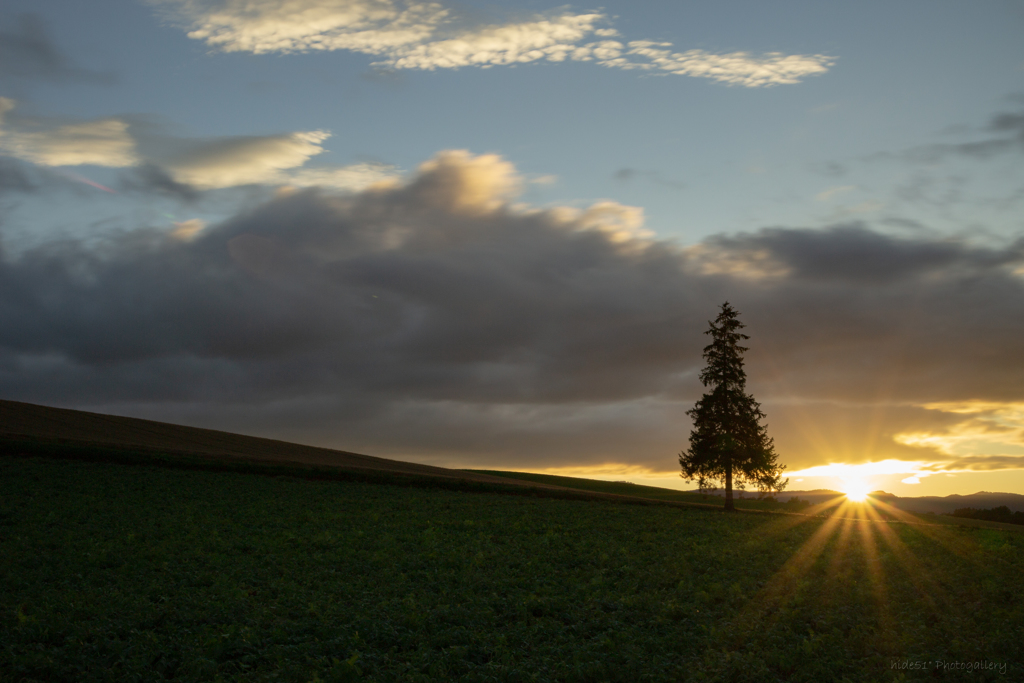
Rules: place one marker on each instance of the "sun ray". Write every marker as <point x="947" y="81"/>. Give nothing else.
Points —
<point x="784" y="521"/>
<point x="842" y="518"/>
<point x="928" y="583"/>
<point x="920" y="577"/>
<point x="842" y="547"/>
<point x="866" y="547"/>
<point x="876" y="576"/>
<point x="784" y="584"/>
<point x="960" y="546"/>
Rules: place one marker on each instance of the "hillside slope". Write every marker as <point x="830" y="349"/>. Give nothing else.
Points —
<point x="27" y="421"/>
<point x="27" y="428"/>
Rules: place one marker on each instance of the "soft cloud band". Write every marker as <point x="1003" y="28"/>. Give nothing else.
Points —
<point x="427" y="35"/>
<point x="182" y="167"/>
<point x="103" y="142"/>
<point x="436" y="317"/>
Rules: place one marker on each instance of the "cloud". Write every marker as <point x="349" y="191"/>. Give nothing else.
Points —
<point x="917" y="469"/>
<point x="104" y="142"/>
<point x="428" y="36"/>
<point x="435" y="317"/>
<point x="1008" y="123"/>
<point x="992" y="430"/>
<point x="981" y="463"/>
<point x="27" y="52"/>
<point x="735" y="68"/>
<point x="101" y="142"/>
<point x="862" y="471"/>
<point x="457" y="182"/>
<point x="626" y="174"/>
<point x="554" y="39"/>
<point x="181" y="167"/>
<point x="262" y="26"/>
<point x="244" y="160"/>
<point x="215" y="163"/>
<point x="827" y="195"/>
<point x="851" y="253"/>
<point x="1008" y="130"/>
<point x="353" y="177"/>
<point x="830" y="169"/>
<point x="187" y="230"/>
<point x="149" y="178"/>
<point x="15" y="178"/>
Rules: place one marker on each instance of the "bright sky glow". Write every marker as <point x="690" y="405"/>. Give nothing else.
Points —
<point x="861" y="471"/>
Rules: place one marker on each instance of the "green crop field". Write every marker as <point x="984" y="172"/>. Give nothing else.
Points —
<point x="624" y="488"/>
<point x="115" y="572"/>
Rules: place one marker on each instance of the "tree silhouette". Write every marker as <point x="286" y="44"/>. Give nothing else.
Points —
<point x="728" y="443"/>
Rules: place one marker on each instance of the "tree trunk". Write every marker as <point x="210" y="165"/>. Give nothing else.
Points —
<point x="728" y="487"/>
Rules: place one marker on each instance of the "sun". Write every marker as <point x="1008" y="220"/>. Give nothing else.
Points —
<point x="856" y="491"/>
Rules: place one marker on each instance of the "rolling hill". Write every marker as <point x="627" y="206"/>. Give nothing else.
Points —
<point x="26" y="425"/>
<point x="30" y="429"/>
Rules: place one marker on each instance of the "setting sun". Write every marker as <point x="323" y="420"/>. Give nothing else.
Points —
<point x="856" y="492"/>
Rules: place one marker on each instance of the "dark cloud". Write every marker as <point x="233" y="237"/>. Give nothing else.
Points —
<point x="937" y="192"/>
<point x="904" y="223"/>
<point x="855" y="254"/>
<point x="27" y="52"/>
<point x="1009" y="123"/>
<point x="14" y="177"/>
<point x="830" y="169"/>
<point x="152" y="179"/>
<point x="1008" y="128"/>
<point x="431" y="319"/>
<point x="627" y="174"/>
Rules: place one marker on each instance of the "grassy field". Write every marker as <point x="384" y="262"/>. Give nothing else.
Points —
<point x="620" y="488"/>
<point x="750" y="501"/>
<point x="111" y="572"/>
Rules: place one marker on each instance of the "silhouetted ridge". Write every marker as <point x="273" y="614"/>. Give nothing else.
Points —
<point x="20" y="421"/>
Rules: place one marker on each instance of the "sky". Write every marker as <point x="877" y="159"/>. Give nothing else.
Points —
<point x="491" y="236"/>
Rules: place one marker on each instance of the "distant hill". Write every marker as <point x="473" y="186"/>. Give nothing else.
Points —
<point x="946" y="504"/>
<point x="921" y="504"/>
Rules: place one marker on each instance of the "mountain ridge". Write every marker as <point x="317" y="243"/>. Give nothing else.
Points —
<point x="925" y="504"/>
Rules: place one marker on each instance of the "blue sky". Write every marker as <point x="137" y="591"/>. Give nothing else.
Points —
<point x="698" y="156"/>
<point x="753" y="141"/>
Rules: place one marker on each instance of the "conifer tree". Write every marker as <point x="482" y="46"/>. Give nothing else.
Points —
<point x="728" y="443"/>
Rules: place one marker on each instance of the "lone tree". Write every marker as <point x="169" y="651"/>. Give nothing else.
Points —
<point x="728" y="443"/>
